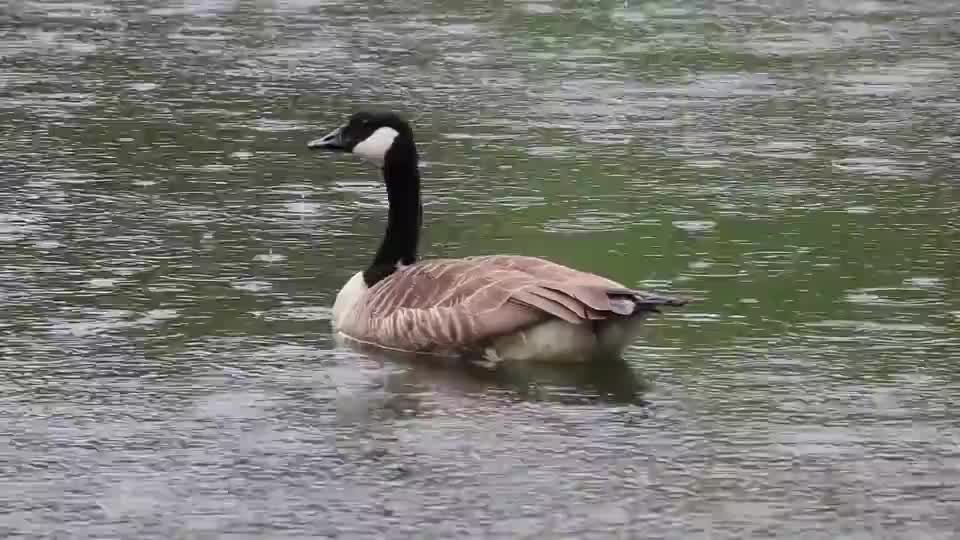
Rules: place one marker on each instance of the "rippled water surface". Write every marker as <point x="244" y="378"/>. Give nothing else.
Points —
<point x="169" y="251"/>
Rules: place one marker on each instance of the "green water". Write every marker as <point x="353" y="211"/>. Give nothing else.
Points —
<point x="169" y="251"/>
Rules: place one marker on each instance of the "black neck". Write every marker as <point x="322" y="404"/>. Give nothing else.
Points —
<point x="402" y="177"/>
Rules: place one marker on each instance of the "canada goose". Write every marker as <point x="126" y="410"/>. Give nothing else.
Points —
<point x="490" y="308"/>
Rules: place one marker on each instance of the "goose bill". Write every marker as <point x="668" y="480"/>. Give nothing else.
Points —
<point x="331" y="141"/>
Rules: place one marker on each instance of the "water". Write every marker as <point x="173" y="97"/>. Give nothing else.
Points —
<point x="170" y="251"/>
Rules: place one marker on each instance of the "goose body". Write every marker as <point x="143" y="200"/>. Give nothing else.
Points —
<point x="488" y="308"/>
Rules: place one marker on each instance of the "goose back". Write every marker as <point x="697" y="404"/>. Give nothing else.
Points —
<point x="448" y="305"/>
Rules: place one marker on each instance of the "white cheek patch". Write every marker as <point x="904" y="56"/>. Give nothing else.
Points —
<point x="375" y="147"/>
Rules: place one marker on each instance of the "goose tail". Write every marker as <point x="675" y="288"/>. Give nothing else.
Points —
<point x="632" y="303"/>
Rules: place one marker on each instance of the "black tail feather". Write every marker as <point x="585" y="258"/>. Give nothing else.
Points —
<point x="646" y="302"/>
<point x="651" y="303"/>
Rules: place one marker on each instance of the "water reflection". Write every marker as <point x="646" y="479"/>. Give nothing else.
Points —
<point x="610" y="380"/>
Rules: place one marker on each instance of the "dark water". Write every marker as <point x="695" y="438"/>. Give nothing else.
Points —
<point x="169" y="251"/>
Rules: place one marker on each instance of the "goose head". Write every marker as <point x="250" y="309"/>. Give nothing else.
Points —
<point x="369" y="135"/>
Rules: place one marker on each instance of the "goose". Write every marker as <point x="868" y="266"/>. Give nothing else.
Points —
<point x="489" y="308"/>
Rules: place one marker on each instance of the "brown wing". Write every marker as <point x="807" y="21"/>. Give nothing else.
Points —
<point x="460" y="303"/>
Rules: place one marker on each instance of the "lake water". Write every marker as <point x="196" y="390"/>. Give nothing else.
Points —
<point x="169" y="252"/>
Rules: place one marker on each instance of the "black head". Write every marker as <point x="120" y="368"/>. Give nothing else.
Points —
<point x="369" y="135"/>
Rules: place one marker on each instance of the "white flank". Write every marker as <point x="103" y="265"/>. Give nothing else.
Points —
<point x="558" y="341"/>
<point x="347" y="299"/>
<point x="375" y="147"/>
<point x="554" y="340"/>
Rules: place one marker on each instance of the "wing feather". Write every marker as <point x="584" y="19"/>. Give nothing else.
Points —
<point x="554" y="304"/>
